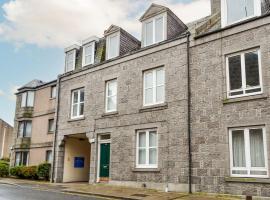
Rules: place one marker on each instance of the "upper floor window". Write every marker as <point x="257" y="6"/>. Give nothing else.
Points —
<point x="244" y="74"/>
<point x="147" y="149"/>
<point x="27" y="99"/>
<point x="154" y="30"/>
<point x="235" y="11"/>
<point x="53" y="91"/>
<point x="25" y="129"/>
<point x="248" y="152"/>
<point x="111" y="95"/>
<point x="77" y="105"/>
<point x="113" y="45"/>
<point x="70" y="60"/>
<point x="154" y="86"/>
<point x="51" y="125"/>
<point x="88" y="53"/>
<point x="21" y="158"/>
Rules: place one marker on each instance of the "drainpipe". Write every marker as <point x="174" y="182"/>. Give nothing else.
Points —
<point x="56" y="127"/>
<point x="189" y="115"/>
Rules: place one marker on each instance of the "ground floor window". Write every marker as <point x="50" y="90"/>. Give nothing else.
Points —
<point x="49" y="156"/>
<point x="248" y="152"/>
<point x="21" y="158"/>
<point x="147" y="149"/>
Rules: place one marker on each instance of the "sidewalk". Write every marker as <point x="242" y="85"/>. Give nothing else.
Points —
<point x="113" y="192"/>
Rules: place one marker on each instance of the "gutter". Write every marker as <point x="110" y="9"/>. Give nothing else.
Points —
<point x="55" y="128"/>
<point x="189" y="115"/>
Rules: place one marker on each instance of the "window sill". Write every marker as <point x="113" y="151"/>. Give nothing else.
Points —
<point x="146" y="170"/>
<point x="161" y="106"/>
<point x="50" y="132"/>
<point x="110" y="114"/>
<point x="247" y="180"/>
<point x="52" y="98"/>
<point x="76" y="119"/>
<point x="245" y="98"/>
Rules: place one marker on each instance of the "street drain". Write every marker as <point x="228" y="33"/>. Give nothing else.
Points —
<point x="139" y="195"/>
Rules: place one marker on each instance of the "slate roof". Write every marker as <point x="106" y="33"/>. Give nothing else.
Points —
<point x="32" y="84"/>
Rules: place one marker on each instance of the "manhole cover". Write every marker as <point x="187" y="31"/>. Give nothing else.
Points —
<point x="139" y="195"/>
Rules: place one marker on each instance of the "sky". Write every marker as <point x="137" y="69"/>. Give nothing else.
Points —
<point x="34" y="33"/>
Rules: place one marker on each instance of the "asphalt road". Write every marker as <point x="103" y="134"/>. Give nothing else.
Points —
<point x="8" y="192"/>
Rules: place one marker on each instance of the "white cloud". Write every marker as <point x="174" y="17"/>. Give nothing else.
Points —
<point x="58" y="23"/>
<point x="13" y="90"/>
<point x="1" y="93"/>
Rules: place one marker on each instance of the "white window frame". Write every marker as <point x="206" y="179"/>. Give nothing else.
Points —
<point x="247" y="154"/>
<point x="153" y="19"/>
<point x="73" y="52"/>
<point x="146" y="165"/>
<point x="92" y="44"/>
<point x="78" y="103"/>
<point x="224" y="13"/>
<point x="107" y="96"/>
<point x="154" y="73"/>
<point x="26" y="102"/>
<point x="108" y="43"/>
<point x="243" y="74"/>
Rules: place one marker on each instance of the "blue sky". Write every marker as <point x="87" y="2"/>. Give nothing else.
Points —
<point x="33" y="35"/>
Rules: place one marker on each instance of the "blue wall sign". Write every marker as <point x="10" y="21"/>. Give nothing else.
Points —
<point x="79" y="162"/>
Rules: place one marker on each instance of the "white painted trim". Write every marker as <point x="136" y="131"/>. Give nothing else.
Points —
<point x="224" y="13"/>
<point x="248" y="167"/>
<point x="73" y="52"/>
<point x="108" y="43"/>
<point x="78" y="103"/>
<point x="92" y="44"/>
<point x="153" y="20"/>
<point x="90" y="39"/>
<point x="107" y="97"/>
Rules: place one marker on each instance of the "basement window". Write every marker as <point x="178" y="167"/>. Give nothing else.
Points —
<point x="244" y="74"/>
<point x="235" y="11"/>
<point x="248" y="152"/>
<point x="24" y="129"/>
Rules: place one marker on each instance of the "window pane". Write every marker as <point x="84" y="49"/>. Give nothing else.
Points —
<point x="149" y="96"/>
<point x="113" y="46"/>
<point x="111" y="103"/>
<point x="236" y="10"/>
<point x="21" y="127"/>
<point x="24" y="158"/>
<point x="159" y="29"/>
<point x="88" y="54"/>
<point x="49" y="156"/>
<point x="81" y="108"/>
<point x="75" y="97"/>
<point x="160" y="94"/>
<point x="112" y="87"/>
<point x="160" y="77"/>
<point x="74" y="110"/>
<point x="17" y="158"/>
<point x="238" y="145"/>
<point x="51" y="125"/>
<point x="149" y="33"/>
<point x="256" y="148"/>
<point x="53" y="92"/>
<point x="142" y="156"/>
<point x="30" y="99"/>
<point x="148" y="80"/>
<point x="142" y="139"/>
<point x="249" y="8"/>
<point x="252" y="69"/>
<point x="28" y="129"/>
<point x="153" y="156"/>
<point x="81" y="95"/>
<point x="70" y="60"/>
<point x="152" y="139"/>
<point x="23" y="101"/>
<point x="235" y="72"/>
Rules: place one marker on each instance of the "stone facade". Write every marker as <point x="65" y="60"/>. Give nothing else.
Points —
<point x="6" y="131"/>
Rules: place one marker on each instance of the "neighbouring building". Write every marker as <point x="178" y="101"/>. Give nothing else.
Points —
<point x="6" y="132"/>
<point x="34" y="123"/>
<point x="185" y="109"/>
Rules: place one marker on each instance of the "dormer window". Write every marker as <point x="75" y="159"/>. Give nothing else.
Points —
<point x="88" y="53"/>
<point x="112" y="45"/>
<point x="236" y="11"/>
<point x="154" y="30"/>
<point x="70" y="60"/>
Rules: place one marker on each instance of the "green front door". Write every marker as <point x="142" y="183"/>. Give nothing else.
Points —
<point x="104" y="160"/>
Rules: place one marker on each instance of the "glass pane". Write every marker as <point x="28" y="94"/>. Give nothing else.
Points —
<point x="160" y="94"/>
<point x="111" y="103"/>
<point x="235" y="72"/>
<point x="24" y="158"/>
<point x="51" y="121"/>
<point x="88" y="59"/>
<point x="53" y="92"/>
<point x="236" y="10"/>
<point x="142" y="139"/>
<point x="252" y="69"/>
<point x="30" y="99"/>
<point x="142" y="156"/>
<point x="149" y="96"/>
<point x="238" y="145"/>
<point x="256" y="148"/>
<point x="17" y="158"/>
<point x="81" y="95"/>
<point x="149" y="33"/>
<point x="28" y="129"/>
<point x="81" y="108"/>
<point x="113" y="46"/>
<point x="69" y="60"/>
<point x="88" y="50"/>
<point x="23" y="101"/>
<point x="159" y="29"/>
<point x="153" y="156"/>
<point x="75" y="97"/>
<point x="249" y="8"/>
<point x="160" y="77"/>
<point x="112" y="87"/>
<point x="74" y="110"/>
<point x="21" y="127"/>
<point x="152" y="139"/>
<point x="148" y="80"/>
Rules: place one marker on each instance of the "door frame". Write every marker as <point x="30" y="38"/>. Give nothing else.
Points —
<point x="108" y="141"/>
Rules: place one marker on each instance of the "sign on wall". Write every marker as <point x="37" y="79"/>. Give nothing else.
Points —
<point x="78" y="162"/>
